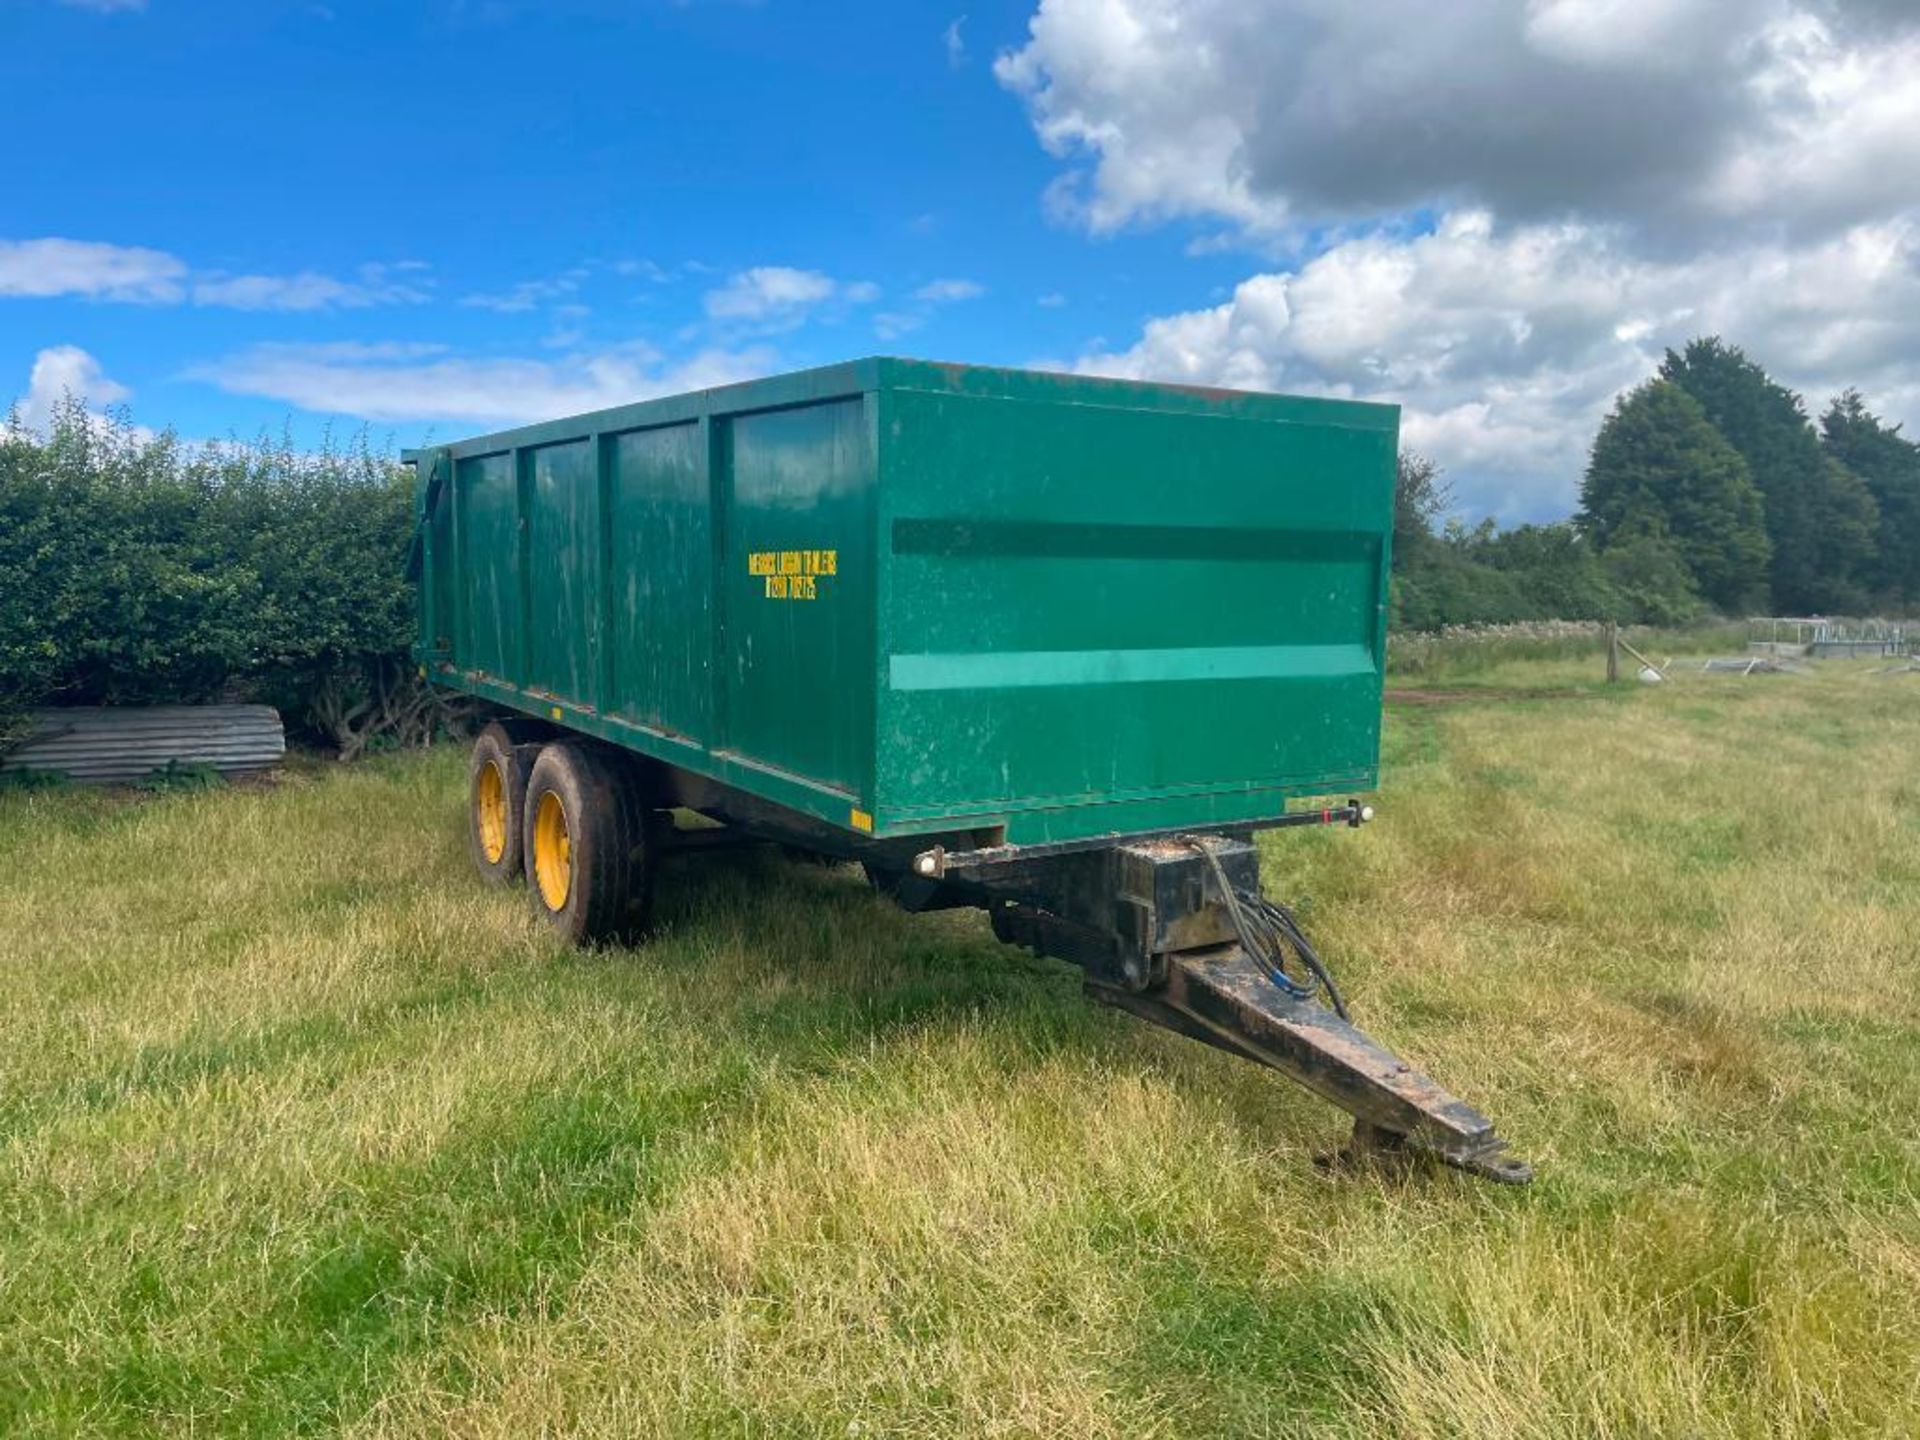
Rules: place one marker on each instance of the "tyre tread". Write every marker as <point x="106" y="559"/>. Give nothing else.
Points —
<point x="611" y="869"/>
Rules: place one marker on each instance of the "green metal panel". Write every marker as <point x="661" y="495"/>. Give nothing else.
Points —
<point x="563" y="570"/>
<point x="660" y="579"/>
<point x="1060" y="605"/>
<point x="798" y="591"/>
<point x="488" y="515"/>
<point x="1104" y="598"/>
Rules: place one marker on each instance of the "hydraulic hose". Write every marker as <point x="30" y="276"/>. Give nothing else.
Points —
<point x="1268" y="932"/>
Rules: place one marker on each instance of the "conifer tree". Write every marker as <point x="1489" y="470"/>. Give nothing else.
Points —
<point x="1888" y="464"/>
<point x="1820" y="518"/>
<point x="1662" y="474"/>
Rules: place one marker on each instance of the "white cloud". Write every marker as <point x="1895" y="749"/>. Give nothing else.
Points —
<point x="363" y="351"/>
<point x="53" y="267"/>
<point x="528" y="294"/>
<point x="1611" y="177"/>
<point x="955" y="43"/>
<point x="61" y="371"/>
<point x="568" y="331"/>
<point x="1116" y="80"/>
<point x="105" y="7"/>
<point x="645" y="269"/>
<point x="892" y="324"/>
<point x="946" y="292"/>
<point x="307" y="290"/>
<point x="1671" y="116"/>
<point x="768" y="290"/>
<point x="428" y="383"/>
<point x="1506" y="345"/>
<point x="1844" y="132"/>
<point x="778" y="297"/>
<point x="1666" y="35"/>
<point x="1052" y="300"/>
<point x="38" y="269"/>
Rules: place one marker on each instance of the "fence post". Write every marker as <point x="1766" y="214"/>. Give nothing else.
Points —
<point x="1613" y="652"/>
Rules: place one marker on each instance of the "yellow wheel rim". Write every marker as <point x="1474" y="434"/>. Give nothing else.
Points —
<point x="490" y="811"/>
<point x="552" y="851"/>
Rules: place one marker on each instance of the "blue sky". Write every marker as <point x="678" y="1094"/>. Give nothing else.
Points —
<point x="438" y="216"/>
<point x="541" y="181"/>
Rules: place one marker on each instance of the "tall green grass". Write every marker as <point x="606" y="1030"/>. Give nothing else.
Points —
<point x="1469" y="654"/>
<point x="302" y="1130"/>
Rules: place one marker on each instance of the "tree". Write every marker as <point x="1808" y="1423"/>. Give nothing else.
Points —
<point x="1557" y="572"/>
<point x="1458" y="574"/>
<point x="1419" y="499"/>
<point x="1820" y="519"/>
<point x="1888" y="464"/>
<point x="1660" y="472"/>
<point x="1651" y="580"/>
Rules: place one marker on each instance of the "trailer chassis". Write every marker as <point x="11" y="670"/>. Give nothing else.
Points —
<point x="1146" y="920"/>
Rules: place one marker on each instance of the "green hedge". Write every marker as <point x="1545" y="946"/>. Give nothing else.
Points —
<point x="136" y="570"/>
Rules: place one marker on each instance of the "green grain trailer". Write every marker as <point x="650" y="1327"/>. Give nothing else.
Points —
<point x="1047" y="645"/>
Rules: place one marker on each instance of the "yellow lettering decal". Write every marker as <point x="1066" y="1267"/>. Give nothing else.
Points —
<point x="792" y="574"/>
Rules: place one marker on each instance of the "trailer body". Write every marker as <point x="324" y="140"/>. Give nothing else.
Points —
<point x="1050" y="646"/>
<point x="906" y="598"/>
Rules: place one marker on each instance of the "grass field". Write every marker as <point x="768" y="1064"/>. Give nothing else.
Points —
<point x="305" y="1131"/>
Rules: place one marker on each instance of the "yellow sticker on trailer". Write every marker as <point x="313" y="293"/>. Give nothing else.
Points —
<point x="792" y="574"/>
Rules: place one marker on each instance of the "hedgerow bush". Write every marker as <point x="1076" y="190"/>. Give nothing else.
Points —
<point x="136" y="570"/>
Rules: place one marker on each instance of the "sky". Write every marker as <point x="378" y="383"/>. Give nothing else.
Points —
<point x="438" y="217"/>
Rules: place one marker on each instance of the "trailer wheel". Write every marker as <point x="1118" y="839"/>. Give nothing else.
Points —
<point x="496" y="794"/>
<point x="589" y="870"/>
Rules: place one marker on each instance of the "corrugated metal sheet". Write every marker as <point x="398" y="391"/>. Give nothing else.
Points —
<point x="122" y="743"/>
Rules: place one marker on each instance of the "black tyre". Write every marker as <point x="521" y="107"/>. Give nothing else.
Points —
<point x="589" y="872"/>
<point x="496" y="795"/>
